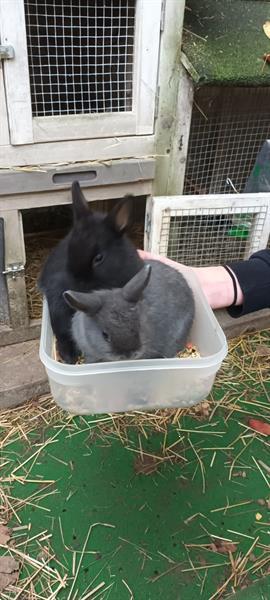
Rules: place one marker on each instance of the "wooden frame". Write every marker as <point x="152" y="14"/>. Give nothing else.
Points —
<point x="61" y="197"/>
<point x="92" y="175"/>
<point x="4" y="132"/>
<point x="180" y="140"/>
<point x="15" y="255"/>
<point x="214" y="204"/>
<point x="16" y="74"/>
<point x="172" y="115"/>
<point x="140" y="121"/>
<point x="75" y="151"/>
<point x="4" y="308"/>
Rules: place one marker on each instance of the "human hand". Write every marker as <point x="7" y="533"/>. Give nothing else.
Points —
<point x="167" y="261"/>
<point x="215" y="281"/>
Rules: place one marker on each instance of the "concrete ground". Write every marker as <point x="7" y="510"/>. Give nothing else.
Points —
<point x="22" y="376"/>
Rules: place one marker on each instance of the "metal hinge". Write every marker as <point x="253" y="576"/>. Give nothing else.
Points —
<point x="162" y="15"/>
<point x="157" y="102"/>
<point x="6" y="52"/>
<point x="14" y="270"/>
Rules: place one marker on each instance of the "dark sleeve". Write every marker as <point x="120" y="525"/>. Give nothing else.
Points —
<point x="254" y="279"/>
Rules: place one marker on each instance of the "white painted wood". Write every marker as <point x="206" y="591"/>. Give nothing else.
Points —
<point x="14" y="250"/>
<point x="220" y="202"/>
<point x="83" y="126"/>
<point x="257" y="205"/>
<point x="262" y="242"/>
<point x="139" y="121"/>
<point x="4" y="132"/>
<point x="55" y="198"/>
<point x="91" y="174"/>
<point x="168" y="83"/>
<point x="76" y="151"/>
<point x="16" y="74"/>
<point x="15" y="254"/>
<point x="180" y="139"/>
<point x="147" y="223"/>
<point x="148" y="15"/>
<point x="154" y="224"/>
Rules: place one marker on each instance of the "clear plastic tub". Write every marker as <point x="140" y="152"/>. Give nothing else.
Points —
<point x="139" y="385"/>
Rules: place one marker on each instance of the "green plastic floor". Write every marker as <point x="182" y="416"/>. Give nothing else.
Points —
<point x="119" y="533"/>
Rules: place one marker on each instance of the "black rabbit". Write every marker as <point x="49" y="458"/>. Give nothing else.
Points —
<point x="96" y="254"/>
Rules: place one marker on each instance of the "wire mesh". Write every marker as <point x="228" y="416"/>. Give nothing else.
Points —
<point x="80" y="55"/>
<point x="201" y="237"/>
<point x="228" y="128"/>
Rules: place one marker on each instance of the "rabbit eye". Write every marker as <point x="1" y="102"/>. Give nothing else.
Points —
<point x="98" y="259"/>
<point x="106" y="336"/>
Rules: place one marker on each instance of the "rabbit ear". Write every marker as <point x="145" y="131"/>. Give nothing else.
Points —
<point x="119" y="217"/>
<point x="80" y="206"/>
<point x="88" y="303"/>
<point x="133" y="290"/>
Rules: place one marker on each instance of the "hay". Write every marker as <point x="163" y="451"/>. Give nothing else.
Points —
<point x="37" y="249"/>
<point x="243" y="367"/>
<point x="244" y="375"/>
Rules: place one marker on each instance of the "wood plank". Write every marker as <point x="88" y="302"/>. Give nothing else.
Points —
<point x="16" y="73"/>
<point x="154" y="220"/>
<point x="75" y="127"/>
<point x="4" y="132"/>
<point x="168" y="83"/>
<point x="15" y="254"/>
<point x="90" y="175"/>
<point x="4" y="310"/>
<point x="147" y="42"/>
<point x="22" y="375"/>
<point x="42" y="199"/>
<point x="76" y="151"/>
<point x="10" y="336"/>
<point x="180" y="139"/>
<point x="214" y="201"/>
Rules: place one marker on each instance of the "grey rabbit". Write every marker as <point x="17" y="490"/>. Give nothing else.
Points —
<point x="95" y="254"/>
<point x="150" y="317"/>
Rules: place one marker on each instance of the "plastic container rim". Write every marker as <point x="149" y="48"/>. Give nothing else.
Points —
<point x="213" y="360"/>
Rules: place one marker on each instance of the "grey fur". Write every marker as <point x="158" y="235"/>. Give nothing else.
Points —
<point x="154" y="326"/>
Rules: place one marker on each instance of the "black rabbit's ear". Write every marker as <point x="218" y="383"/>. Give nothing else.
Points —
<point x="133" y="290"/>
<point x="88" y="303"/>
<point x="80" y="206"/>
<point x="119" y="217"/>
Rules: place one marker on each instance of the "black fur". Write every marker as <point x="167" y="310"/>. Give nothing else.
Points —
<point x="96" y="254"/>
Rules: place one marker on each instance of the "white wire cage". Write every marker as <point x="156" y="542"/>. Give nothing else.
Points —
<point x="207" y="230"/>
<point x="228" y="128"/>
<point x="84" y="69"/>
<point x="80" y="55"/>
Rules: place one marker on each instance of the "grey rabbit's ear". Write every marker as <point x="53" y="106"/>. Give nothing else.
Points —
<point x="133" y="290"/>
<point x="88" y="303"/>
<point x="119" y="217"/>
<point x="80" y="206"/>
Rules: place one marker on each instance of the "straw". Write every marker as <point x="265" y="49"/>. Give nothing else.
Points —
<point x="245" y="375"/>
